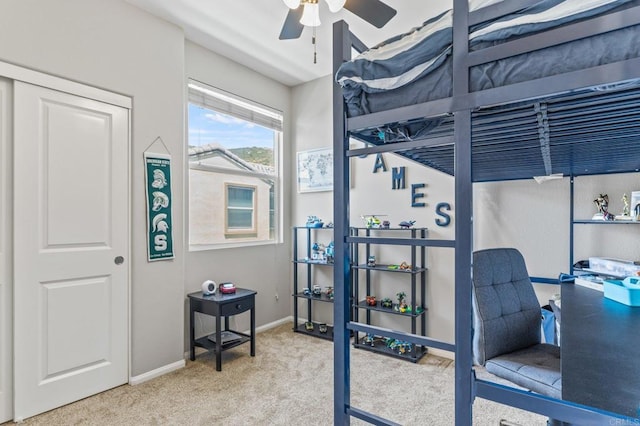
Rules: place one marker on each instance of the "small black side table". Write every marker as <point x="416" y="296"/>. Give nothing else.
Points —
<point x="222" y="305"/>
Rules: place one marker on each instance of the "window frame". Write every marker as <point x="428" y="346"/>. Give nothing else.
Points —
<point x="274" y="200"/>
<point x="245" y="232"/>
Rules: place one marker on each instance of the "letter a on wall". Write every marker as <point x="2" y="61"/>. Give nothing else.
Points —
<point x="157" y="168"/>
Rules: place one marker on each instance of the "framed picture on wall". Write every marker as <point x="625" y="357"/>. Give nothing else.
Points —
<point x="315" y="170"/>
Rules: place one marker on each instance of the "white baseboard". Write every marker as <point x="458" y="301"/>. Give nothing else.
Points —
<point x="136" y="380"/>
<point x="273" y="324"/>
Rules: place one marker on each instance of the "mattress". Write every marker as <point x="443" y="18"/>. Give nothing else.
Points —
<point x="416" y="67"/>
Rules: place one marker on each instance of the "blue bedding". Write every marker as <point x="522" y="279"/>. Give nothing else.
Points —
<point x="415" y="67"/>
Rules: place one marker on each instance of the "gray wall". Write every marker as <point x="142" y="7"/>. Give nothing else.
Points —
<point x="114" y="46"/>
<point x="264" y="268"/>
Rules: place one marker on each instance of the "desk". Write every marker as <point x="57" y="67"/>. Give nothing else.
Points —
<point x="222" y="305"/>
<point x="600" y="343"/>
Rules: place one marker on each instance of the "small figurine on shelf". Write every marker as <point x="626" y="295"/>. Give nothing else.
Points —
<point x="405" y="266"/>
<point x="306" y="291"/>
<point x="401" y="306"/>
<point x="329" y="252"/>
<point x="406" y="224"/>
<point x="372" y="221"/>
<point x="369" y="339"/>
<point x="329" y="292"/>
<point x="314" y="222"/>
<point x="625" y="208"/>
<point x="371" y="300"/>
<point x="602" y="203"/>
<point x="322" y="327"/>
<point x="371" y="261"/>
<point x="386" y="303"/>
<point x="319" y="253"/>
<point x="317" y="290"/>
<point x="308" y="326"/>
<point x="385" y="224"/>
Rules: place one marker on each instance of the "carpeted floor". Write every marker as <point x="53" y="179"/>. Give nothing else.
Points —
<point x="288" y="382"/>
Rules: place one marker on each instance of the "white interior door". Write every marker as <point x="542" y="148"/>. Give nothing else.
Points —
<point x="6" y="295"/>
<point x="71" y="225"/>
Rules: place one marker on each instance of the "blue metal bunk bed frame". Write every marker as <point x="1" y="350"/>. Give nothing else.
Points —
<point x="461" y="105"/>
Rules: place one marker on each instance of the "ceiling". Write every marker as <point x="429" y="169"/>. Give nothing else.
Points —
<point x="247" y="31"/>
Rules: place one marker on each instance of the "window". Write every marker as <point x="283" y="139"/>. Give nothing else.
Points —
<point x="234" y="183"/>
<point x="240" y="209"/>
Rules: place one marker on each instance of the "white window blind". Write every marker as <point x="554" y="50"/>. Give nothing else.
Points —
<point x="227" y="103"/>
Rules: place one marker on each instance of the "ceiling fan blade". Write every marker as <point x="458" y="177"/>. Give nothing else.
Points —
<point x="373" y="11"/>
<point x="292" y="28"/>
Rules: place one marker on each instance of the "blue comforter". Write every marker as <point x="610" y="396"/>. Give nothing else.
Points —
<point x="406" y="58"/>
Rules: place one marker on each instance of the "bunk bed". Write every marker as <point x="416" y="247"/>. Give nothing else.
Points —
<point x="474" y="95"/>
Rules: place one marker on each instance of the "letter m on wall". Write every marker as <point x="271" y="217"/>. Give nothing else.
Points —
<point x="397" y="178"/>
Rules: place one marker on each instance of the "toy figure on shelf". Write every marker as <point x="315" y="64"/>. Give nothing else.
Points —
<point x="372" y="221"/>
<point x="329" y="292"/>
<point x="314" y="222"/>
<point x="371" y="261"/>
<point x="369" y="339"/>
<point x="322" y="328"/>
<point x="602" y="202"/>
<point x="317" y="290"/>
<point x="319" y="253"/>
<point x="386" y="303"/>
<point x="406" y="224"/>
<point x="625" y="202"/>
<point x="329" y="252"/>
<point x="405" y="266"/>
<point x="371" y="300"/>
<point x="385" y="224"/>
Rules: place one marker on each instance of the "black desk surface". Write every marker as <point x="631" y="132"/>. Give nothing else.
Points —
<point x="600" y="341"/>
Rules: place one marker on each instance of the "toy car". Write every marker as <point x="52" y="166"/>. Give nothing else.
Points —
<point x="227" y="288"/>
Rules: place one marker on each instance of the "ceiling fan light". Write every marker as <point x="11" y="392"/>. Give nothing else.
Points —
<point x="292" y="4"/>
<point x="335" y="5"/>
<point x="310" y="15"/>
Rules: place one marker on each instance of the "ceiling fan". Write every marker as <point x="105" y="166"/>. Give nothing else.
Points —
<point x="306" y="13"/>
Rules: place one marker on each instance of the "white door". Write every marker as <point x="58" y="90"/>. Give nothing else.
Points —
<point x="6" y="299"/>
<point x="71" y="233"/>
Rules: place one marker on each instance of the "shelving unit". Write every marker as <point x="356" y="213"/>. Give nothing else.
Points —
<point x="417" y="274"/>
<point x="587" y="222"/>
<point x="309" y="263"/>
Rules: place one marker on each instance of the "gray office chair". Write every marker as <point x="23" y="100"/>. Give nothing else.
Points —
<point x="506" y="323"/>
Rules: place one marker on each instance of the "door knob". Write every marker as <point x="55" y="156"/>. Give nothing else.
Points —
<point x="119" y="260"/>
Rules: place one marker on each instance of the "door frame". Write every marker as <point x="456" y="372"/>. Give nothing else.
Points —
<point x="6" y="253"/>
<point x="18" y="73"/>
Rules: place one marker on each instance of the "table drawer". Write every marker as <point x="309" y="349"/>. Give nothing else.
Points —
<point x="237" y="306"/>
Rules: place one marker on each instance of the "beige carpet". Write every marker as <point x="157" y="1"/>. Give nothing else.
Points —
<point x="288" y="382"/>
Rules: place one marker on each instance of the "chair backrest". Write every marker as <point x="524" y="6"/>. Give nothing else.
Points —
<point x="506" y="312"/>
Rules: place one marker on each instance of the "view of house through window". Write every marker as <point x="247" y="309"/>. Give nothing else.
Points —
<point x="233" y="159"/>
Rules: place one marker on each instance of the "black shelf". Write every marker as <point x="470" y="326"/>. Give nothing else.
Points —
<point x="379" y="346"/>
<point x="315" y="332"/>
<point x="363" y="242"/>
<point x="364" y="305"/>
<point x="386" y="268"/>
<point x="303" y="276"/>
<point x="204" y="342"/>
<point x="322" y="298"/>
<point x="606" y="222"/>
<point x="312" y="262"/>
